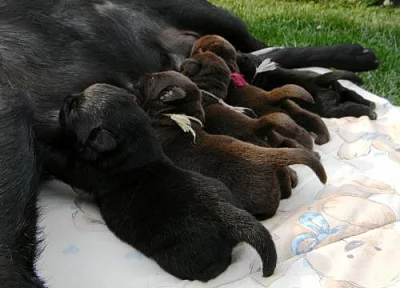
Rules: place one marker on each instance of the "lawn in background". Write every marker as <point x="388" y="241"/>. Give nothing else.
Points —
<point x="325" y="22"/>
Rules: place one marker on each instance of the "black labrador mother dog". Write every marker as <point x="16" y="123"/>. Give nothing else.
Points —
<point x="51" y="49"/>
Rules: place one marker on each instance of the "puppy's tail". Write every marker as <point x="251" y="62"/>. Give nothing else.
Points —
<point x="279" y="122"/>
<point x="289" y="91"/>
<point x="242" y="227"/>
<point x="281" y="157"/>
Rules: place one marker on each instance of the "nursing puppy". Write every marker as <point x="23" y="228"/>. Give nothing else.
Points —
<point x="173" y="103"/>
<point x="167" y="213"/>
<point x="212" y="75"/>
<point x="243" y="94"/>
<point x="331" y="99"/>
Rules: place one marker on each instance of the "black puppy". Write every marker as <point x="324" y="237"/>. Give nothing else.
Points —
<point x="184" y="221"/>
<point x="331" y="99"/>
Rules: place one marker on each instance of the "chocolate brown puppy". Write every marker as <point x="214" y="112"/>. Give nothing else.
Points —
<point x="243" y="94"/>
<point x="183" y="220"/>
<point x="173" y="103"/>
<point x="212" y="75"/>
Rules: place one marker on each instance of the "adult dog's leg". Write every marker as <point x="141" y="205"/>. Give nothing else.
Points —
<point x="204" y="18"/>
<point x="352" y="57"/>
<point x="19" y="174"/>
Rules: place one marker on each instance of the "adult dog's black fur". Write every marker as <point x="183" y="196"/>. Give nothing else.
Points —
<point x="51" y="49"/>
<point x="117" y="155"/>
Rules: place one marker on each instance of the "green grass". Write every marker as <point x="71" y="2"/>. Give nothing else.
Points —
<point x="325" y="22"/>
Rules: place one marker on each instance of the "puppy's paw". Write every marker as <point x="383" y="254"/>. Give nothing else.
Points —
<point x="372" y="105"/>
<point x="373" y="115"/>
<point x="322" y="139"/>
<point x="305" y="140"/>
<point x="294" y="179"/>
<point x="317" y="155"/>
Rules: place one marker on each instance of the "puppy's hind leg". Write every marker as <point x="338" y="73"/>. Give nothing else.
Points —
<point x="277" y="140"/>
<point x="308" y="120"/>
<point x="20" y="175"/>
<point x="242" y="227"/>
<point x="350" y="109"/>
<point x="289" y="91"/>
<point x="350" y="95"/>
<point x="196" y="261"/>
<point x="279" y="122"/>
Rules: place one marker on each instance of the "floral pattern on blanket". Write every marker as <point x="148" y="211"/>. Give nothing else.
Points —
<point x="342" y="234"/>
<point x="347" y="233"/>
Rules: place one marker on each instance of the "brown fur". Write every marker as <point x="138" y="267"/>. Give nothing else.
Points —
<point x="257" y="99"/>
<point x="249" y="171"/>
<point x="211" y="73"/>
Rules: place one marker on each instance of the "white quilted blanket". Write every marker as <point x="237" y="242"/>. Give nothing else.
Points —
<point x="343" y="234"/>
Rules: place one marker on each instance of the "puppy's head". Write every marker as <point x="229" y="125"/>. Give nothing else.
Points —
<point x="209" y="72"/>
<point x="220" y="46"/>
<point x="102" y="118"/>
<point x="170" y="92"/>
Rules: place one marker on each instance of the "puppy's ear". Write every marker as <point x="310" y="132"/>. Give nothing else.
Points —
<point x="102" y="140"/>
<point x="190" y="67"/>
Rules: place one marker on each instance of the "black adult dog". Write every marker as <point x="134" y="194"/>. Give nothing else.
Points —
<point x="51" y="49"/>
